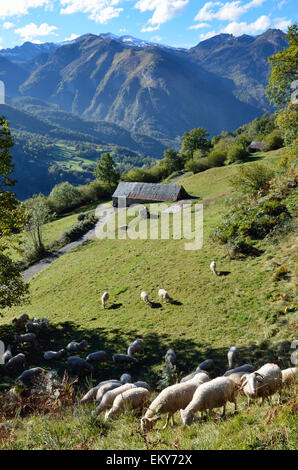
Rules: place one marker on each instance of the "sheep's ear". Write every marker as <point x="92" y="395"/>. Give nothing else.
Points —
<point x="243" y="384"/>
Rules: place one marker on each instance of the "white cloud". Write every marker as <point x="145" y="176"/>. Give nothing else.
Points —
<point x="31" y="31"/>
<point x="8" y="25"/>
<point x="100" y="11"/>
<point x="229" y="11"/>
<point x="282" y="23"/>
<point x="20" y="7"/>
<point x="237" y="29"/>
<point x="163" y="11"/>
<point x="208" y="35"/>
<point x="199" y="25"/>
<point x="72" y="37"/>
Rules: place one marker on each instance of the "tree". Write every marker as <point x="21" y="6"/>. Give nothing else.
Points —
<point x="173" y="160"/>
<point x="284" y="71"/>
<point x="38" y="214"/>
<point x="194" y="140"/>
<point x="13" y="291"/>
<point x="64" y="196"/>
<point x="106" y="170"/>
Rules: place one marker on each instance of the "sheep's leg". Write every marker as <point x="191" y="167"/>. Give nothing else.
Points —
<point x="223" y="411"/>
<point x="278" y="398"/>
<point x="167" y="421"/>
<point x="173" y="420"/>
<point x="235" y="403"/>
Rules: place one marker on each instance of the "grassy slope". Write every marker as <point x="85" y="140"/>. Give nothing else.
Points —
<point x="243" y="307"/>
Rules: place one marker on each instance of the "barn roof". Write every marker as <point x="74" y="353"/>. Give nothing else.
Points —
<point x="149" y="191"/>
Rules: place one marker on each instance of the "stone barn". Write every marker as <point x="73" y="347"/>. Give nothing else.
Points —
<point x="141" y="193"/>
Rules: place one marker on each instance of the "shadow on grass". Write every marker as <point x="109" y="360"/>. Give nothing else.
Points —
<point x="114" y="306"/>
<point x="224" y="273"/>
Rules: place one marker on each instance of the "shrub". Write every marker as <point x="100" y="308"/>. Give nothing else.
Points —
<point x="95" y="191"/>
<point x="196" y="166"/>
<point x="236" y="152"/>
<point x="252" y="177"/>
<point x="217" y="158"/>
<point x="274" y="140"/>
<point x="63" y="197"/>
<point x="75" y="231"/>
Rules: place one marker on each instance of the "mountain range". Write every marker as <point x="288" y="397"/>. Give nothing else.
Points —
<point x="151" y="92"/>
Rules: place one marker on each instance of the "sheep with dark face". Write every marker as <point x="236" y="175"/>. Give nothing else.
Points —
<point x="76" y="347"/>
<point x="136" y="347"/>
<point x="126" y="379"/>
<point x="29" y="376"/>
<point x="262" y="383"/>
<point x="244" y="368"/>
<point x="33" y="327"/>
<point x="79" y="366"/>
<point x="208" y="396"/>
<point x="54" y="355"/>
<point x="21" y="321"/>
<point x="206" y="365"/>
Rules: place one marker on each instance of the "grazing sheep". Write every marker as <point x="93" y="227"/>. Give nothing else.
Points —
<point x="54" y="355"/>
<point x="145" y="298"/>
<point x="33" y="327"/>
<point x="136" y="347"/>
<point x="170" y="400"/>
<point x="236" y="377"/>
<point x="28" y="376"/>
<point x="109" y="397"/>
<point x="7" y="355"/>
<point x="135" y="398"/>
<point x="26" y="338"/>
<point x="124" y="359"/>
<point x="76" y="347"/>
<point x="206" y="365"/>
<point x="244" y="368"/>
<point x="22" y="320"/>
<point x="91" y="394"/>
<point x="192" y="375"/>
<point x="232" y="357"/>
<point x="45" y="323"/>
<point x="213" y="394"/>
<point x="126" y="379"/>
<point x="15" y="362"/>
<point x="262" y="383"/>
<point x="213" y="268"/>
<point x="104" y="299"/>
<point x="142" y="384"/>
<point x="103" y="389"/>
<point x="289" y="377"/>
<point x="170" y="357"/>
<point x="98" y="356"/>
<point x="163" y="295"/>
<point x="79" y="366"/>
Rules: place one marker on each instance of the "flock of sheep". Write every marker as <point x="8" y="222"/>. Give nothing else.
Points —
<point x="196" y="392"/>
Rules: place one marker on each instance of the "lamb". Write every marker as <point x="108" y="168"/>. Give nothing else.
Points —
<point x="16" y="362"/>
<point x="126" y="379"/>
<point x="163" y="295"/>
<point x="79" y="366"/>
<point x="289" y="377"/>
<point x="232" y="356"/>
<point x="109" y="397"/>
<point x="136" y="347"/>
<point x="206" y="365"/>
<point x="22" y="320"/>
<point x="145" y="298"/>
<point x="170" y="357"/>
<point x="104" y="299"/>
<point x="76" y="347"/>
<point x="213" y="268"/>
<point x="135" y="398"/>
<point x="124" y="359"/>
<point x="28" y="376"/>
<point x="213" y="394"/>
<point x="244" y="368"/>
<point x="54" y="355"/>
<point x="263" y="383"/>
<point x="98" y="356"/>
<point x="170" y="400"/>
<point x="7" y="355"/>
<point x="26" y="338"/>
<point x="91" y="394"/>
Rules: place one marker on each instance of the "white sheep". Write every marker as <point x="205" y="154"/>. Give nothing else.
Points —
<point x="79" y="366"/>
<point x="232" y="356"/>
<point x="104" y="299"/>
<point x="76" y="347"/>
<point x="142" y="384"/>
<point x="145" y="298"/>
<point x="170" y="400"/>
<point x="213" y="268"/>
<point x="16" y="362"/>
<point x="213" y="394"/>
<point x="29" y="376"/>
<point x="124" y="359"/>
<point x="7" y="355"/>
<point x="244" y="368"/>
<point x="136" y="347"/>
<point x="289" y="376"/>
<point x="98" y="356"/>
<point x="192" y="375"/>
<point x="54" y="355"/>
<point x="109" y="397"/>
<point x="91" y="394"/>
<point x="26" y="338"/>
<point x="170" y="357"/>
<point x="22" y="320"/>
<point x="164" y="295"/>
<point x="262" y="383"/>
<point x="135" y="398"/>
<point x="206" y="365"/>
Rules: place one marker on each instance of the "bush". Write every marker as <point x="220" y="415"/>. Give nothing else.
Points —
<point x="236" y="152"/>
<point x="95" y="191"/>
<point x="274" y="140"/>
<point x="196" y="166"/>
<point x="217" y="158"/>
<point x="75" y="232"/>
<point x="252" y="177"/>
<point x="63" y="197"/>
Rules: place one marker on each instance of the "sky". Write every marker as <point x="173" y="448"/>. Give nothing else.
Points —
<point x="178" y="23"/>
